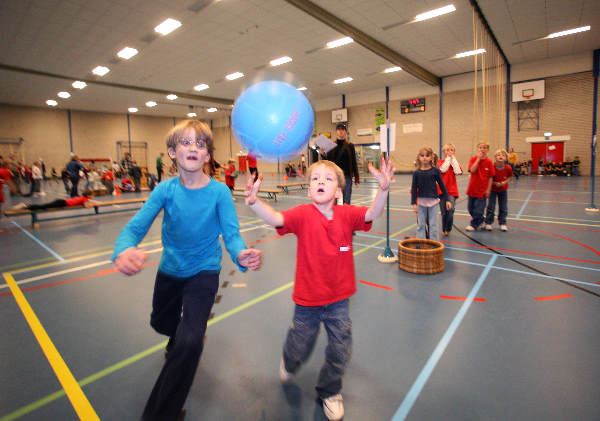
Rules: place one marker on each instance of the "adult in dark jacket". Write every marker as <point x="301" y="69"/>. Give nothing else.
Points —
<point x="344" y="155"/>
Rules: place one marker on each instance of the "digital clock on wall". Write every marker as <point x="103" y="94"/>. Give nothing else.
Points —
<point x="415" y="105"/>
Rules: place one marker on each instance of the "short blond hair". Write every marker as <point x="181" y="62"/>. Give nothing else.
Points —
<point x="449" y="146"/>
<point x="430" y="152"/>
<point x="331" y="165"/>
<point x="484" y="143"/>
<point x="502" y="152"/>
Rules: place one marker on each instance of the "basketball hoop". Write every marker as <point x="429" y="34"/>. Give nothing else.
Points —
<point x="527" y="94"/>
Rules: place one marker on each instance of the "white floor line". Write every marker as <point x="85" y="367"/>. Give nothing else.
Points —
<point x="45" y="247"/>
<point x="524" y="204"/>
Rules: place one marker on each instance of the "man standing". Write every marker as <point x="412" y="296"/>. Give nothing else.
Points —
<point x="159" y="166"/>
<point x="73" y="168"/>
<point x="344" y="155"/>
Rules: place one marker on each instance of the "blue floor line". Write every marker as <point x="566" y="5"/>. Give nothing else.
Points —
<point x="48" y="249"/>
<point x="524" y="205"/>
<point x="417" y="387"/>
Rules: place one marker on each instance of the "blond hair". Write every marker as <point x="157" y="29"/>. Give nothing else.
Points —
<point x="484" y="143"/>
<point x="449" y="146"/>
<point x="331" y="165"/>
<point x="429" y="152"/>
<point x="202" y="132"/>
<point x="501" y="151"/>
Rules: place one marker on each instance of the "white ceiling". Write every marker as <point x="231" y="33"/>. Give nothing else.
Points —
<point x="70" y="37"/>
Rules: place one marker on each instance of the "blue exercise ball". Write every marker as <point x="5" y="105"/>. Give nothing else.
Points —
<point x="272" y="120"/>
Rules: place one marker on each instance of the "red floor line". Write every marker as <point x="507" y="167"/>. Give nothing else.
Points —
<point x="447" y="297"/>
<point x="376" y="285"/>
<point x="593" y="250"/>
<point x="553" y="297"/>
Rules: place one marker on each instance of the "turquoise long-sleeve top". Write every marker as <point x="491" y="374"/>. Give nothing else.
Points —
<point x="192" y="222"/>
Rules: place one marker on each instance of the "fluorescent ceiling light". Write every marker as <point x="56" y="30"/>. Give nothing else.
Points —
<point x="201" y="87"/>
<point x="342" y="80"/>
<point x="234" y="76"/>
<point x="151" y="104"/>
<point x="167" y="26"/>
<point x="470" y="53"/>
<point x="79" y="84"/>
<point x="52" y="103"/>
<point x="434" y="13"/>
<point x="192" y="114"/>
<point x="339" y="42"/>
<point x="127" y="53"/>
<point x="547" y="134"/>
<point x="569" y="32"/>
<point x="279" y="61"/>
<point x="132" y="110"/>
<point x="63" y="94"/>
<point x="392" y="69"/>
<point x="172" y="97"/>
<point x="374" y="146"/>
<point x="212" y="110"/>
<point x="100" y="70"/>
<point x="302" y="88"/>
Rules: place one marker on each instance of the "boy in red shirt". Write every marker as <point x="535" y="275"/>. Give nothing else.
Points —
<point x="480" y="183"/>
<point x="450" y="168"/>
<point x="501" y="178"/>
<point x="230" y="175"/>
<point x="325" y="278"/>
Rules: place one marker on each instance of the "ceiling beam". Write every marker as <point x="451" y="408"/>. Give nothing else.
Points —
<point x="366" y="41"/>
<point x="209" y="99"/>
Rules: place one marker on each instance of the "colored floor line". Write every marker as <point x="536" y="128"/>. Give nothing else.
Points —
<point x="34" y="238"/>
<point x="448" y="297"/>
<point x="376" y="285"/>
<point x="436" y="355"/>
<point x="79" y="401"/>
<point x="136" y="357"/>
<point x="553" y="297"/>
<point x="593" y="250"/>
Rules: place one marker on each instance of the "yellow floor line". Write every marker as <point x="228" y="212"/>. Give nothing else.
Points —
<point x="80" y="403"/>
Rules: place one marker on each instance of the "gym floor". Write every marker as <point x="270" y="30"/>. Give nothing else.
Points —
<point x="509" y="330"/>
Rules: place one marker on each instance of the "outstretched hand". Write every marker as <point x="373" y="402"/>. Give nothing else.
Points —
<point x="130" y="261"/>
<point x="385" y="175"/>
<point x="252" y="189"/>
<point x="250" y="258"/>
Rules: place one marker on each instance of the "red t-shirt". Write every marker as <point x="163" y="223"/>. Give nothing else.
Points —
<point x="449" y="179"/>
<point x="229" y="180"/>
<point x="5" y="175"/>
<point x="324" y="256"/>
<point x="76" y="201"/>
<point x="500" y="176"/>
<point x="478" y="182"/>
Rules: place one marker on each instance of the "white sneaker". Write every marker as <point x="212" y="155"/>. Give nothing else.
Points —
<point x="503" y="228"/>
<point x="18" y="206"/>
<point x="333" y="407"/>
<point x="470" y="228"/>
<point x="488" y="227"/>
<point x="284" y="375"/>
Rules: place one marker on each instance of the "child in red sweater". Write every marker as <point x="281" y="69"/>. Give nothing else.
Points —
<point x="480" y="184"/>
<point x="502" y="176"/>
<point x="230" y="175"/>
<point x="450" y="168"/>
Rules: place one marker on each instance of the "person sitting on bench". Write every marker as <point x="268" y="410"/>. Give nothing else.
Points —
<point x="60" y="203"/>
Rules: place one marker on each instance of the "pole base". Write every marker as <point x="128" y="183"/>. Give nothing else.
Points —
<point x="387" y="256"/>
<point x="592" y="209"/>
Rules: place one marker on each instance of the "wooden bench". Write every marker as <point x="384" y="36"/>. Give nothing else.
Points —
<point x="286" y="186"/>
<point x="271" y="193"/>
<point x="96" y="206"/>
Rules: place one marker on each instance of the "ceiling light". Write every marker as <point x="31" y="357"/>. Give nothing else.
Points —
<point x="192" y="114"/>
<point x="172" y="97"/>
<point x="342" y="80"/>
<point x="132" y="110"/>
<point x="100" y="70"/>
<point x="212" y="110"/>
<point x="63" y="94"/>
<point x="392" y="69"/>
<point x="339" y="42"/>
<point x="234" y="76"/>
<point x="127" y="53"/>
<point x="470" y="53"/>
<point x="569" y="32"/>
<point x="302" y="88"/>
<point x="151" y="104"/>
<point x="279" y="61"/>
<point x="79" y="84"/>
<point x="51" y="103"/>
<point x="201" y="87"/>
<point x="548" y="134"/>
<point x="167" y="26"/>
<point x="434" y="13"/>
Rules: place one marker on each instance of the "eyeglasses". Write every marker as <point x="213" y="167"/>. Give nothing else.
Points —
<point x="188" y="142"/>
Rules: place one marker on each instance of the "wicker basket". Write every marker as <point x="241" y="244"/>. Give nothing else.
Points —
<point x="422" y="256"/>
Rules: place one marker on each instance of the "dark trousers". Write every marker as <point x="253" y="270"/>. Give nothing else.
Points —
<point x="447" y="215"/>
<point x="476" y="207"/>
<point x="180" y="309"/>
<point x="74" y="185"/>
<point x="502" y="207"/>
<point x="159" y="172"/>
<point x="58" y="203"/>
<point x="347" y="192"/>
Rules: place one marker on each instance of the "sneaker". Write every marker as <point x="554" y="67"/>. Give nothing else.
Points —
<point x="488" y="227"/>
<point x="18" y="206"/>
<point x="333" y="407"/>
<point x="284" y="375"/>
<point x="503" y="228"/>
<point x="470" y="228"/>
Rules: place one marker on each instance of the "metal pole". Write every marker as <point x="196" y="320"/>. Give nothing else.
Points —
<point x="593" y="207"/>
<point x="507" y="106"/>
<point x="129" y="133"/>
<point x="70" y="130"/>
<point x="387" y="256"/>
<point x="441" y="120"/>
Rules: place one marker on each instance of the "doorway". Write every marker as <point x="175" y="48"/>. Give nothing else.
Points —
<point x="546" y="151"/>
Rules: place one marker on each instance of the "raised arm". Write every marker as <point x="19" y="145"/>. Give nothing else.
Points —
<point x="260" y="208"/>
<point x="385" y="177"/>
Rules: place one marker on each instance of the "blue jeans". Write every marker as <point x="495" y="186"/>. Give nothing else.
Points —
<point x="476" y="207"/>
<point x="427" y="222"/>
<point x="502" y="207"/>
<point x="447" y="215"/>
<point x="180" y="309"/>
<point x="302" y="335"/>
<point x="347" y="191"/>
